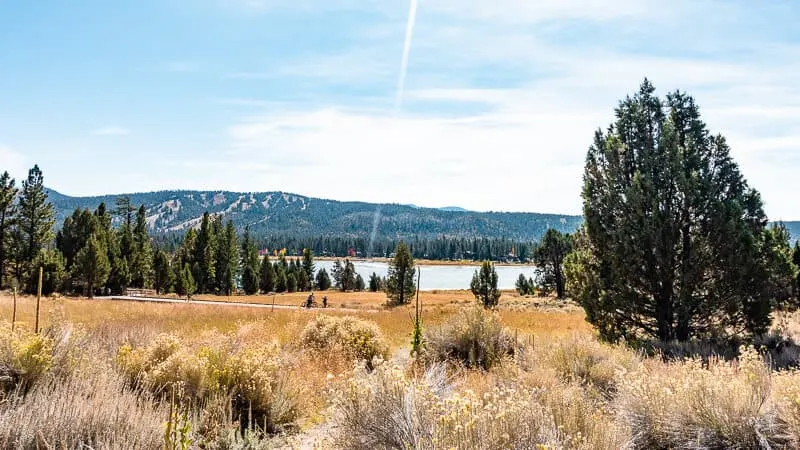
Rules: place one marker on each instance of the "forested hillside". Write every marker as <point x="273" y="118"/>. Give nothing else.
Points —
<point x="277" y="213"/>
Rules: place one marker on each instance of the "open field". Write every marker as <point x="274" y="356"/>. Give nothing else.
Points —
<point x="104" y="373"/>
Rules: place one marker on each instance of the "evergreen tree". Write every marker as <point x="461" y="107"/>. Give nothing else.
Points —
<point x="400" y="285"/>
<point x="267" y="275"/>
<point x="674" y="232"/>
<point x="796" y="261"/>
<point x="125" y="233"/>
<point x="291" y="283"/>
<point x="303" y="283"/>
<point x="162" y="273"/>
<point x="360" y="286"/>
<point x="35" y="219"/>
<point x="344" y="275"/>
<point x="280" y="277"/>
<point x="74" y="233"/>
<point x="119" y="278"/>
<point x="308" y="263"/>
<point x="185" y="283"/>
<point x="54" y="273"/>
<point x="250" y="266"/>
<point x="484" y="285"/>
<point x="549" y="257"/>
<point x="375" y="283"/>
<point x="227" y="260"/>
<point x="142" y="257"/>
<point x="523" y="286"/>
<point x="206" y="253"/>
<point x="92" y="264"/>
<point x="8" y="194"/>
<point x="323" y="280"/>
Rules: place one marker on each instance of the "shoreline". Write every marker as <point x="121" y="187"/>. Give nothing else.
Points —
<point x="420" y="262"/>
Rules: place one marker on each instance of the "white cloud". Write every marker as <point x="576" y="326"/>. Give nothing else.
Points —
<point x="111" y="130"/>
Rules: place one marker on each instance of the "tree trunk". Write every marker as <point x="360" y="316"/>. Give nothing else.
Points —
<point x="664" y="313"/>
<point x="90" y="289"/>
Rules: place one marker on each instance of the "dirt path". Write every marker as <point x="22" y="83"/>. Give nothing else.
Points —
<point x="125" y="298"/>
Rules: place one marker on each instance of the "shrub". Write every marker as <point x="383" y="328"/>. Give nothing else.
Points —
<point x="388" y="409"/>
<point x="357" y="339"/>
<point x="474" y="338"/>
<point x="25" y="357"/>
<point x="686" y="405"/>
<point x="252" y="377"/>
<point x="83" y="411"/>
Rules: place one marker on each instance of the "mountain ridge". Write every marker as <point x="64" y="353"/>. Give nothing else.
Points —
<point x="277" y="212"/>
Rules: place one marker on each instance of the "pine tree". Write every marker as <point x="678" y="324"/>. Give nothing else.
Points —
<point x="344" y="275"/>
<point x="375" y="283"/>
<point x="796" y="261"/>
<point x="360" y="286"/>
<point x="227" y="260"/>
<point x="119" y="278"/>
<point x="142" y="257"/>
<point x="267" y="275"/>
<point x="549" y="257"/>
<point x="674" y="234"/>
<point x="162" y="273"/>
<point x="8" y="194"/>
<point x="291" y="283"/>
<point x="205" y="253"/>
<point x="92" y="264"/>
<point x="35" y="219"/>
<point x="308" y="263"/>
<point x="400" y="285"/>
<point x="54" y="273"/>
<point x="280" y="277"/>
<point x="185" y="283"/>
<point x="302" y="281"/>
<point x="323" y="280"/>
<point x="484" y="285"/>
<point x="523" y="286"/>
<point x="250" y="267"/>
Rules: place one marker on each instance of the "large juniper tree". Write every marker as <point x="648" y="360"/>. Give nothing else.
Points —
<point x="674" y="234"/>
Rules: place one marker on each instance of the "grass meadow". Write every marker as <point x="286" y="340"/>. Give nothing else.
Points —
<point x="531" y="375"/>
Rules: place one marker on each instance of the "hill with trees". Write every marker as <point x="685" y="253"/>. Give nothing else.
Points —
<point x="279" y="213"/>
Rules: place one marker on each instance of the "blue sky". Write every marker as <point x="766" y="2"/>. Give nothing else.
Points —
<point x="502" y="97"/>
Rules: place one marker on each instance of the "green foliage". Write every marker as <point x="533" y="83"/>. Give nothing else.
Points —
<point x="360" y="285"/>
<point x="400" y="285"/>
<point x="376" y="283"/>
<point x="250" y="264"/>
<point x="308" y="263"/>
<point x="280" y="278"/>
<point x="267" y="276"/>
<point x="205" y="253"/>
<point x="676" y="235"/>
<point x="35" y="221"/>
<point x="184" y="281"/>
<point x="162" y="273"/>
<point x="25" y="357"/>
<point x="549" y="258"/>
<point x="291" y="283"/>
<point x="344" y="275"/>
<point x="525" y="286"/>
<point x="54" y="273"/>
<point x="323" y="280"/>
<point x="227" y="259"/>
<point x="484" y="285"/>
<point x="141" y="261"/>
<point x="91" y="264"/>
<point x="8" y="219"/>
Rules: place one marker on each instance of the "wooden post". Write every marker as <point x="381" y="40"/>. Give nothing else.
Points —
<point x="14" y="310"/>
<point x="38" y="300"/>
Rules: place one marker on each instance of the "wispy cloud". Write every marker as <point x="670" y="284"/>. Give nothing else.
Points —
<point x="111" y="130"/>
<point x="13" y="162"/>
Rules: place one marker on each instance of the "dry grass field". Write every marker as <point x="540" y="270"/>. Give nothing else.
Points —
<point x="106" y="374"/>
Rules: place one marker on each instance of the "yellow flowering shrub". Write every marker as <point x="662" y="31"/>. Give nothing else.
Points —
<point x="25" y="357"/>
<point x="355" y="338"/>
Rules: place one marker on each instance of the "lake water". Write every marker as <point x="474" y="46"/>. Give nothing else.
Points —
<point x="439" y="277"/>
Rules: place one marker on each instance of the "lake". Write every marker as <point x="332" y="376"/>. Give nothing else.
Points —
<point x="439" y="277"/>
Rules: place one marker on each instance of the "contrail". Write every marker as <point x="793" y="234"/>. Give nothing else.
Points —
<point x="412" y="18"/>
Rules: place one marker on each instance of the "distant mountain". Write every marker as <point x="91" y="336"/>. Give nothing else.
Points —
<point x="452" y="209"/>
<point x="279" y="213"/>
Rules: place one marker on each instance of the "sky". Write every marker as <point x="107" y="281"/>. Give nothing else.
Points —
<point x="500" y="104"/>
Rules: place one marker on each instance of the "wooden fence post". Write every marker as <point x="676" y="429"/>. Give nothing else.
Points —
<point x="38" y="300"/>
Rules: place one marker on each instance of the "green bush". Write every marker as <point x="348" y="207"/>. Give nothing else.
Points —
<point x="25" y="357"/>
